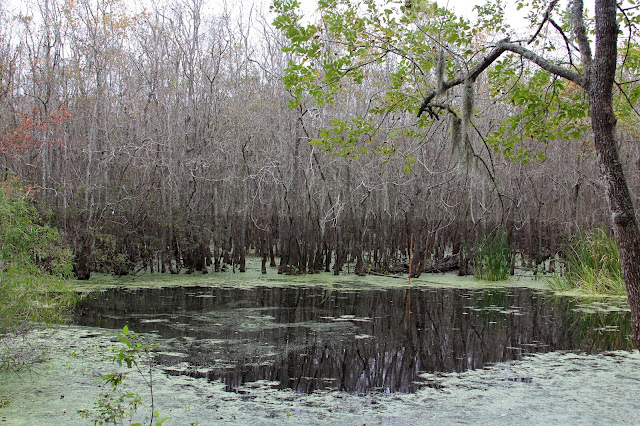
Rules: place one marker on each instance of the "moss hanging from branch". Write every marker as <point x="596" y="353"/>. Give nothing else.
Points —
<point x="461" y="147"/>
<point x="468" y="98"/>
<point x="440" y="67"/>
<point x="456" y="136"/>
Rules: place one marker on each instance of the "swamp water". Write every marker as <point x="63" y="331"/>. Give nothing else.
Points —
<point x="358" y="341"/>
<point x="344" y="355"/>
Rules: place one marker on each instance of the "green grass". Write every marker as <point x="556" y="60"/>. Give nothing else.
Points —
<point x="591" y="263"/>
<point x="493" y="257"/>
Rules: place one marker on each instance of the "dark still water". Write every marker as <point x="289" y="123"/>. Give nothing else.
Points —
<point x="355" y="341"/>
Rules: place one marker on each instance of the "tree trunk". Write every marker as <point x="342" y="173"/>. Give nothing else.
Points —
<point x="603" y="122"/>
<point x="264" y="248"/>
<point x="82" y="267"/>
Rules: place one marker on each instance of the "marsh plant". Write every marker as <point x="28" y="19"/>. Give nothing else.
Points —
<point x="493" y="258"/>
<point x="117" y="405"/>
<point x="591" y="262"/>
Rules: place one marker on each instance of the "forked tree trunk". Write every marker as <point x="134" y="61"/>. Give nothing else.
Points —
<point x="603" y="121"/>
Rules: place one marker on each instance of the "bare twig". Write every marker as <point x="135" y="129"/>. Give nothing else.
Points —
<point x="545" y="18"/>
<point x="626" y="96"/>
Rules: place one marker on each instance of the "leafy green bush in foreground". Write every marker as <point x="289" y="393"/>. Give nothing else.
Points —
<point x="33" y="263"/>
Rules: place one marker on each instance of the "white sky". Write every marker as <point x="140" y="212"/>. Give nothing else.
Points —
<point x="460" y="7"/>
<point x="465" y="8"/>
<point x="516" y="18"/>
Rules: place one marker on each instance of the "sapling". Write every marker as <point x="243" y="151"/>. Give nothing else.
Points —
<point x="117" y="403"/>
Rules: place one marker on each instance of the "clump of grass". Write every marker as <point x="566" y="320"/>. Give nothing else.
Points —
<point x="557" y="282"/>
<point x="493" y="257"/>
<point x="591" y="263"/>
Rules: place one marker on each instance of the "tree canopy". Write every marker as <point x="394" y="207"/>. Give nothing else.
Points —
<point x="436" y="64"/>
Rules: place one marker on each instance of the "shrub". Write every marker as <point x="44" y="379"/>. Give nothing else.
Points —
<point x="116" y="404"/>
<point x="33" y="263"/>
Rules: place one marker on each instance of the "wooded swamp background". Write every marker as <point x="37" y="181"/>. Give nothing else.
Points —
<point x="162" y="145"/>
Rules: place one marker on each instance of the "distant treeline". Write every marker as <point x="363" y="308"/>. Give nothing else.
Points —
<point x="164" y="141"/>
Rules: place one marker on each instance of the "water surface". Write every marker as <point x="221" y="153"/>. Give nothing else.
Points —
<point x="358" y="341"/>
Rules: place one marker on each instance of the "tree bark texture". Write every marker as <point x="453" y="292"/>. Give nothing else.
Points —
<point x="603" y="122"/>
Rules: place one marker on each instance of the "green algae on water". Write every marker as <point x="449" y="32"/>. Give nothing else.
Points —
<point x="551" y="388"/>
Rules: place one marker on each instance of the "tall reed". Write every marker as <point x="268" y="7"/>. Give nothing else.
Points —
<point x="493" y="257"/>
<point x="591" y="263"/>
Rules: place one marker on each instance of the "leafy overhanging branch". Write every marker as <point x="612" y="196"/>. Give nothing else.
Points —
<point x="501" y="47"/>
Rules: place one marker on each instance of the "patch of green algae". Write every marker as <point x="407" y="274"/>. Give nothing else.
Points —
<point x="254" y="278"/>
<point x="551" y="388"/>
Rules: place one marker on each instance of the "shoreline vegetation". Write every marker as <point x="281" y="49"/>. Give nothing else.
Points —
<point x="34" y="267"/>
<point x="32" y="250"/>
<point x="591" y="264"/>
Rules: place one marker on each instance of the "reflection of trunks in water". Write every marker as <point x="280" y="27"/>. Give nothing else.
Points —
<point x="356" y="341"/>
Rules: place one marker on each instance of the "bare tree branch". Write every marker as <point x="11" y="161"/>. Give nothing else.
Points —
<point x="545" y="18"/>
<point x="545" y="63"/>
<point x="567" y="42"/>
<point x="626" y="53"/>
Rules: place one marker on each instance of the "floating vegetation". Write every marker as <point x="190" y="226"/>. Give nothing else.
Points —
<point x="550" y="388"/>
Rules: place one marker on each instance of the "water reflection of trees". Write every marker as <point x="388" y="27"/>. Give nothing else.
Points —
<point x="357" y="341"/>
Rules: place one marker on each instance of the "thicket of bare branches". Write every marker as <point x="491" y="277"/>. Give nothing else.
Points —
<point x="163" y="140"/>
